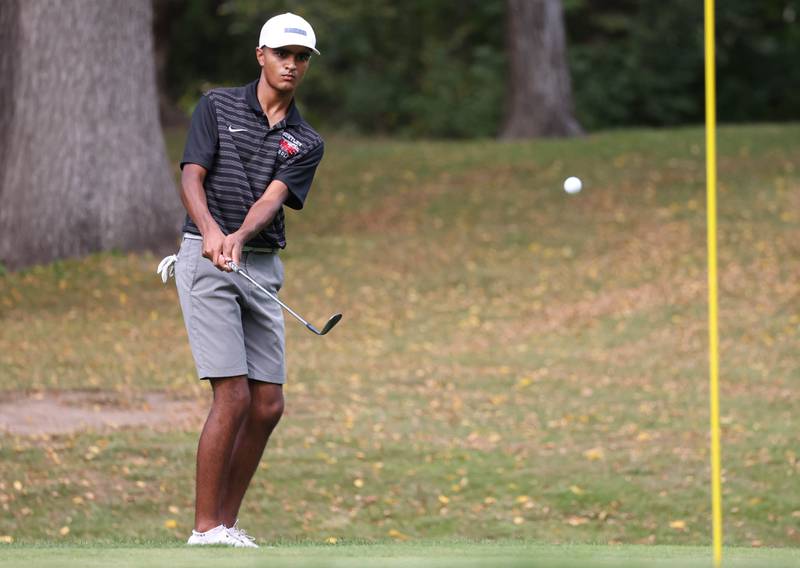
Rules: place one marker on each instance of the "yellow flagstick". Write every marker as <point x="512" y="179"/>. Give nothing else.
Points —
<point x="713" y="332"/>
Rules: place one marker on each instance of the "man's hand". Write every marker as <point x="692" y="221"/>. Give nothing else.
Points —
<point x="232" y="249"/>
<point x="213" y="241"/>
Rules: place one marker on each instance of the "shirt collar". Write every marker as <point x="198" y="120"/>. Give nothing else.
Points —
<point x="292" y="118"/>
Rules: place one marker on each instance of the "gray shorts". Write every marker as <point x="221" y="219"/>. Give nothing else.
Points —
<point x="234" y="329"/>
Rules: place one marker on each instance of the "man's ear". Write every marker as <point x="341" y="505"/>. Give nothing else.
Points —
<point x="260" y="56"/>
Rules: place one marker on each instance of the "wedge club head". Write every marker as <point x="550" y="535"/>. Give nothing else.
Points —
<point x="334" y="319"/>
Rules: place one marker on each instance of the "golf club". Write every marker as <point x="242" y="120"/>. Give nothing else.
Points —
<point x="332" y="321"/>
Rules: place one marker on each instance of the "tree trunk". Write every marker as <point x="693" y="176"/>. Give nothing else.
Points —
<point x="84" y="166"/>
<point x="540" y="94"/>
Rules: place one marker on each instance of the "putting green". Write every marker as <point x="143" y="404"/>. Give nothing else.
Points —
<point x="391" y="555"/>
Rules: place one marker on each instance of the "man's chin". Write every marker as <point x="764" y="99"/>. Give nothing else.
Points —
<point x="284" y="87"/>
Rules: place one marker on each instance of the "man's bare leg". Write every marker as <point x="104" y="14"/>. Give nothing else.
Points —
<point x="266" y="408"/>
<point x="228" y="411"/>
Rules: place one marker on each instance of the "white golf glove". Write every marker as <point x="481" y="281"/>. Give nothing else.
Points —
<point x="166" y="268"/>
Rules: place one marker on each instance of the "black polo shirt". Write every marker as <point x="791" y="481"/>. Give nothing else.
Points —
<point x="231" y="138"/>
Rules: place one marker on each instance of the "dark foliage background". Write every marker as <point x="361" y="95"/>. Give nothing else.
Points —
<point x="437" y="68"/>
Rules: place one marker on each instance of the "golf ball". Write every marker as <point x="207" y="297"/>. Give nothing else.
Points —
<point x="572" y="185"/>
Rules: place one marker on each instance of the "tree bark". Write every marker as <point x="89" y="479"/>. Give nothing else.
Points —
<point x="84" y="161"/>
<point x="540" y="93"/>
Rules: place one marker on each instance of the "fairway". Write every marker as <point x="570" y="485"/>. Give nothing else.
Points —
<point x="459" y="555"/>
<point x="513" y="363"/>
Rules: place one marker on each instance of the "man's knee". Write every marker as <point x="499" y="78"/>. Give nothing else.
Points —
<point x="267" y="410"/>
<point x="232" y="395"/>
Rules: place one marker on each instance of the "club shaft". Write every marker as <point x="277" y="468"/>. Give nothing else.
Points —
<point x="273" y="296"/>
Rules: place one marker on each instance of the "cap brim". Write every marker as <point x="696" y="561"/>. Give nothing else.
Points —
<point x="275" y="46"/>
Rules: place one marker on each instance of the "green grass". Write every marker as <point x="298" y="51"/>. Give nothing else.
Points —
<point x="513" y="363"/>
<point x="396" y="555"/>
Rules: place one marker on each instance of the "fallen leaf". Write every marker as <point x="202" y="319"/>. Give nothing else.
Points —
<point x="677" y="525"/>
<point x="396" y="534"/>
<point x="594" y="454"/>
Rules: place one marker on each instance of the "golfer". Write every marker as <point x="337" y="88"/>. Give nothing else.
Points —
<point x="248" y="153"/>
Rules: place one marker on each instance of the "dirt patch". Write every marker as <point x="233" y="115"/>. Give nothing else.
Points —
<point x="26" y="414"/>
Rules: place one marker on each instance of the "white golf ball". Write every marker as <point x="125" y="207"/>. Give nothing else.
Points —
<point x="572" y="185"/>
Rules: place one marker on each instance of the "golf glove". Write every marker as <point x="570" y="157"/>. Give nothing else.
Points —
<point x="166" y="268"/>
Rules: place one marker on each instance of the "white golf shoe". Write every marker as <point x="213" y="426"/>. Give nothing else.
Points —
<point x="241" y="534"/>
<point x="220" y="535"/>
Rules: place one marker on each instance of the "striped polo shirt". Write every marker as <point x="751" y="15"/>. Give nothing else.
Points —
<point x="232" y="139"/>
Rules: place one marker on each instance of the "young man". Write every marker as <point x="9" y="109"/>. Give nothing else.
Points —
<point x="248" y="153"/>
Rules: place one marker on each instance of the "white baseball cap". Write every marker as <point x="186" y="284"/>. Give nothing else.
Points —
<point x="287" y="29"/>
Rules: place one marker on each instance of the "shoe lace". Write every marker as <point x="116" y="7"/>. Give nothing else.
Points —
<point x="241" y="533"/>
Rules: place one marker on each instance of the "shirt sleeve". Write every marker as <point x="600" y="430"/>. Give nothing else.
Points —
<point x="298" y="173"/>
<point x="203" y="138"/>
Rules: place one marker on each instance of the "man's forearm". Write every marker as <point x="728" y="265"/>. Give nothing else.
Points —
<point x="264" y="210"/>
<point x="260" y="215"/>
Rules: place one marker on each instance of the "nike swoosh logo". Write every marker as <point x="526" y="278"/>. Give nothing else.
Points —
<point x="232" y="129"/>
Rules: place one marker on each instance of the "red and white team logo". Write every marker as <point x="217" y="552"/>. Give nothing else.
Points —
<point x="289" y="146"/>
